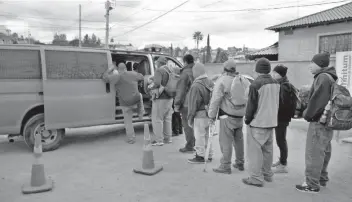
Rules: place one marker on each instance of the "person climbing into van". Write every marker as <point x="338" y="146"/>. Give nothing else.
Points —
<point x="181" y="101"/>
<point x="126" y="84"/>
<point x="287" y="108"/>
<point x="162" y="104"/>
<point x="229" y="101"/>
<point x="199" y="98"/>
<point x="261" y="119"/>
<point x="318" y="142"/>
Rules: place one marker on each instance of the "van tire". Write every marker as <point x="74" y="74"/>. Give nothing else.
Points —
<point x="34" y="125"/>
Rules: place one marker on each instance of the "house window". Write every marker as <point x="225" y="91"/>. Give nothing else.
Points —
<point x="335" y="43"/>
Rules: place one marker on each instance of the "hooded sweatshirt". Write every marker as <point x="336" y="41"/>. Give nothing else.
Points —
<point x="287" y="106"/>
<point x="320" y="93"/>
<point x="199" y="94"/>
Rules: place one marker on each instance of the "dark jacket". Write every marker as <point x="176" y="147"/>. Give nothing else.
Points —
<point x="263" y="102"/>
<point x="183" y="86"/>
<point x="199" y="97"/>
<point x="126" y="84"/>
<point x="161" y="77"/>
<point x="287" y="105"/>
<point x="319" y="96"/>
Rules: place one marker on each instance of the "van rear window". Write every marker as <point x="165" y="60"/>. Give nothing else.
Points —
<point x="75" y="65"/>
<point x="20" y="64"/>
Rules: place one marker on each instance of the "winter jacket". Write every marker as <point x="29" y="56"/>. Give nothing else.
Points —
<point x="287" y="106"/>
<point x="263" y="102"/>
<point x="199" y="97"/>
<point x="161" y="77"/>
<point x="218" y="101"/>
<point x="319" y="94"/>
<point x="126" y="84"/>
<point x="183" y="86"/>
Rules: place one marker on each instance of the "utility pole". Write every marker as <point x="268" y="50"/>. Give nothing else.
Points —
<point x="80" y="28"/>
<point x="108" y="7"/>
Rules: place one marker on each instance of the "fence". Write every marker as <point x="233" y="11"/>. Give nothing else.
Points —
<point x="298" y="71"/>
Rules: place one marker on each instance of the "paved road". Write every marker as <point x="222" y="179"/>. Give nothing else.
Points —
<point x="95" y="164"/>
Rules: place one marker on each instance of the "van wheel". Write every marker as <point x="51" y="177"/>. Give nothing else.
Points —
<point x="51" y="139"/>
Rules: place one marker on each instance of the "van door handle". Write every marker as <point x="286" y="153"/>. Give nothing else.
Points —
<point x="107" y="87"/>
<point x="41" y="93"/>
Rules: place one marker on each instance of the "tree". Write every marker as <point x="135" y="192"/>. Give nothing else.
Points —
<point x="171" y="51"/>
<point x="86" y="39"/>
<point x="208" y="57"/>
<point x="221" y="56"/>
<point x="60" y="40"/>
<point x="178" y="51"/>
<point x="197" y="36"/>
<point x="74" y="42"/>
<point x="15" y="35"/>
<point x="94" y="39"/>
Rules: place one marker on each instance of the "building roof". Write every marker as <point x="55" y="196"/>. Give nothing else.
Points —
<point x="333" y="15"/>
<point x="271" y="50"/>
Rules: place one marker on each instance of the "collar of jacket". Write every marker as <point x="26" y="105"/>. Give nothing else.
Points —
<point x="188" y="66"/>
<point x="264" y="76"/>
<point x="203" y="76"/>
<point x="283" y="80"/>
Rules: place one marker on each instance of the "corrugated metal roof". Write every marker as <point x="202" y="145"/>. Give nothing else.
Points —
<point x="333" y="15"/>
<point x="271" y="50"/>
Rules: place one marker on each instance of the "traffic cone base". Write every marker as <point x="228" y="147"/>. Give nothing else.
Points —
<point x="29" y="189"/>
<point x="347" y="140"/>
<point x="152" y="171"/>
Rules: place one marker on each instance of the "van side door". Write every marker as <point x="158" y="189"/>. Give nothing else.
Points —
<point x="74" y="93"/>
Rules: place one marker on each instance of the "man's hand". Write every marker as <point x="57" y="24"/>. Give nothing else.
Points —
<point x="190" y="123"/>
<point x="247" y="122"/>
<point x="212" y="121"/>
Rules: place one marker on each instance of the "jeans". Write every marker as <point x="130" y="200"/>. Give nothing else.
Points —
<point x="280" y="133"/>
<point x="161" y="119"/>
<point x="127" y="118"/>
<point x="231" y="136"/>
<point x="201" y="133"/>
<point x="190" y="139"/>
<point x="260" y="153"/>
<point x="318" y="154"/>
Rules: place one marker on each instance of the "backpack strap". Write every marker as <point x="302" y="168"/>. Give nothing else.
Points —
<point x="332" y="86"/>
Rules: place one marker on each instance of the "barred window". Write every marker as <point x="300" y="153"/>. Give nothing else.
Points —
<point x="335" y="43"/>
<point x="75" y="65"/>
<point x="20" y="64"/>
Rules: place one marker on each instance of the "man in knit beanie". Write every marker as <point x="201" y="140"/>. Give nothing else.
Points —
<point x="318" y="142"/>
<point x="263" y="103"/>
<point x="198" y="101"/>
<point x="231" y="116"/>
<point x="287" y="107"/>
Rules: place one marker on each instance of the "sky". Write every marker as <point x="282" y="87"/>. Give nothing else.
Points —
<point x="228" y="22"/>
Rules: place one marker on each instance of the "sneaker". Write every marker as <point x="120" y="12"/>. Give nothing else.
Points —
<point x="186" y="150"/>
<point x="268" y="179"/>
<point x="306" y="188"/>
<point x="158" y="144"/>
<point x="240" y="167"/>
<point x="323" y="184"/>
<point x="276" y="164"/>
<point x="210" y="159"/>
<point x="169" y="141"/>
<point x="248" y="181"/>
<point x="131" y="141"/>
<point x="222" y="170"/>
<point x="196" y="160"/>
<point x="280" y="169"/>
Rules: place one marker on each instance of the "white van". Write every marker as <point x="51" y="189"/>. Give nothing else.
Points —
<point x="46" y="89"/>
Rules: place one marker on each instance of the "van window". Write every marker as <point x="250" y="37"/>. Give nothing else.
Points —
<point x="138" y="63"/>
<point x="20" y="64"/>
<point x="75" y="65"/>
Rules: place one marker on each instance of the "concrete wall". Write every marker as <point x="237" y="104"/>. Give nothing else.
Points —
<point x="304" y="42"/>
<point x="298" y="71"/>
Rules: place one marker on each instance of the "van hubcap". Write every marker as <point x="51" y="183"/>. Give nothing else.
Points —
<point x="48" y="136"/>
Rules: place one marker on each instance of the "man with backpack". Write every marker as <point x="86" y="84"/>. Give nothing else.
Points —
<point x="318" y="143"/>
<point x="229" y="101"/>
<point x="162" y="103"/>
<point x="181" y="101"/>
<point x="261" y="119"/>
<point x="198" y="101"/>
<point x="287" y="108"/>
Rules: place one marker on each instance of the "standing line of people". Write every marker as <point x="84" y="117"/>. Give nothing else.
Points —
<point x="233" y="100"/>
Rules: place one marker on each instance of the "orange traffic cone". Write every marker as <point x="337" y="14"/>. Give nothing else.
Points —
<point x="38" y="182"/>
<point x="148" y="166"/>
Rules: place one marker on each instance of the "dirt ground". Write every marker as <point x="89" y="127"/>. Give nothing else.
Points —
<point x="95" y="164"/>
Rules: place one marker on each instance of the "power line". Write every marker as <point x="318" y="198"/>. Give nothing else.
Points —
<point x="154" y="19"/>
<point x="250" y="9"/>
